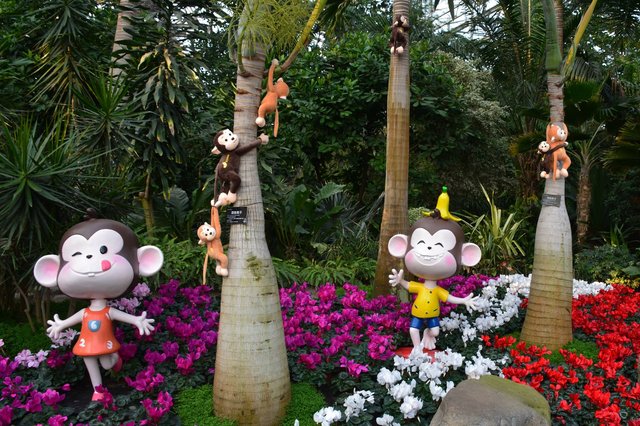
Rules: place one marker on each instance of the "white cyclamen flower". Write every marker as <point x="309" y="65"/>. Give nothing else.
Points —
<point x="402" y="390"/>
<point x="437" y="393"/>
<point x="388" y="378"/>
<point x="354" y="404"/>
<point x="326" y="416"/>
<point x="410" y="407"/>
<point x="386" y="420"/>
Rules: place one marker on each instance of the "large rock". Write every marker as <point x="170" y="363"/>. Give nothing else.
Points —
<point x="492" y="401"/>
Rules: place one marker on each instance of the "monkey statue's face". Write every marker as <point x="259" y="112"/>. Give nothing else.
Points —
<point x="94" y="267"/>
<point x="543" y="146"/>
<point x="225" y="141"/>
<point x="430" y="255"/>
<point x="99" y="259"/>
<point x="435" y="249"/>
<point x="206" y="233"/>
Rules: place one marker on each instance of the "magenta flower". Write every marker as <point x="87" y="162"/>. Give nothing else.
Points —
<point x="155" y="411"/>
<point x="57" y="359"/>
<point x="128" y="351"/>
<point x="379" y="346"/>
<point x="154" y="357"/>
<point x="51" y="397"/>
<point x="184" y="364"/>
<point x="146" y="380"/>
<point x="170" y="349"/>
<point x="107" y="398"/>
<point x="7" y="367"/>
<point x="34" y="402"/>
<point x="311" y="360"/>
<point x="57" y="420"/>
<point x="6" y="416"/>
<point x="353" y="368"/>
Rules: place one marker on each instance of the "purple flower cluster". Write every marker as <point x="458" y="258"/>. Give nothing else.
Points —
<point x="182" y="343"/>
<point x="322" y="329"/>
<point x="461" y="286"/>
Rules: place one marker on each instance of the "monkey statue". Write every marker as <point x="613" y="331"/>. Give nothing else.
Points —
<point x="557" y="134"/>
<point x="399" y="30"/>
<point x="269" y="103"/>
<point x="209" y="235"/>
<point x="226" y="144"/>
<point x="433" y="250"/>
<point x="99" y="259"/>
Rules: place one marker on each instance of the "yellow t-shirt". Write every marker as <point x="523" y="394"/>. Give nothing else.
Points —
<point x="427" y="304"/>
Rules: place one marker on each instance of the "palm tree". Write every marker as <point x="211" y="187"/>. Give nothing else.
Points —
<point x="394" y="214"/>
<point x="548" y="318"/>
<point x="251" y="382"/>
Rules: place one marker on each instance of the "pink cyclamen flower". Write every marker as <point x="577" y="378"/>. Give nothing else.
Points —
<point x="353" y="368"/>
<point x="52" y="397"/>
<point x="146" y="380"/>
<point x="6" y="415"/>
<point x="107" y="399"/>
<point x="156" y="410"/>
<point x="57" y="420"/>
<point x="311" y="360"/>
<point x="184" y="364"/>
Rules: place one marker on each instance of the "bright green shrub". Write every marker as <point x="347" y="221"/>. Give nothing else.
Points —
<point x="18" y="336"/>
<point x="195" y="406"/>
<point x="305" y="400"/>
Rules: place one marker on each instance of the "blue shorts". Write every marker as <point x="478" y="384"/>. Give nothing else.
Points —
<point x="420" y="323"/>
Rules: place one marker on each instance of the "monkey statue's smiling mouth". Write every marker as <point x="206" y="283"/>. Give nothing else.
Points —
<point x="429" y="259"/>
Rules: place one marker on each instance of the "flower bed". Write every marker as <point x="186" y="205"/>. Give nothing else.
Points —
<point x="345" y="346"/>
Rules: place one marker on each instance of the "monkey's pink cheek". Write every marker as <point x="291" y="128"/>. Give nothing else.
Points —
<point x="450" y="261"/>
<point x="409" y="258"/>
<point x="106" y="265"/>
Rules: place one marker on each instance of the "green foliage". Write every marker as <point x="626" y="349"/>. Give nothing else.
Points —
<point x="498" y="236"/>
<point x="587" y="348"/>
<point x="601" y="262"/>
<point x="41" y="176"/>
<point x="195" y="407"/>
<point x="182" y="259"/>
<point x="19" y="336"/>
<point x="305" y="401"/>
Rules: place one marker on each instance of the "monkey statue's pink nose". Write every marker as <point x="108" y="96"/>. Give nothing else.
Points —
<point x="106" y="265"/>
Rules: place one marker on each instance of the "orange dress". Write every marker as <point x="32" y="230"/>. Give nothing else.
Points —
<point x="96" y="335"/>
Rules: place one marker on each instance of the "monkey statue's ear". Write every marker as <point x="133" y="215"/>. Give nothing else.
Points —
<point x="471" y="254"/>
<point x="46" y="270"/>
<point x="150" y="260"/>
<point x="398" y="245"/>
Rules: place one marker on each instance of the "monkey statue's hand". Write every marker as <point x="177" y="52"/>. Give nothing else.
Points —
<point x="264" y="139"/>
<point x="56" y="327"/>
<point x="395" y="277"/>
<point x="144" y="324"/>
<point x="470" y="302"/>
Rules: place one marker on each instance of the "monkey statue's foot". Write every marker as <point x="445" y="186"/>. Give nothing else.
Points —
<point x="416" y="351"/>
<point x="564" y="173"/>
<point x="223" y="272"/>
<point x="428" y="341"/>
<point x="231" y="198"/>
<point x="399" y="50"/>
<point x="222" y="200"/>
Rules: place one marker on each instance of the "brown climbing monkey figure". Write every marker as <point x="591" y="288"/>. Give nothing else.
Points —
<point x="209" y="235"/>
<point x="269" y="103"/>
<point x="399" y="30"/>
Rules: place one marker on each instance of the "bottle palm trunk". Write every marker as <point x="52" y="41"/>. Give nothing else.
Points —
<point x="548" y="319"/>
<point x="394" y="213"/>
<point x="251" y="381"/>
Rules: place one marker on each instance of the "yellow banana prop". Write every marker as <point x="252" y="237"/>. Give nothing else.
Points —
<point x="443" y="207"/>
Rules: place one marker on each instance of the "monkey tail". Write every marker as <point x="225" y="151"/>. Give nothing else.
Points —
<point x="215" y="184"/>
<point x="275" y="125"/>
